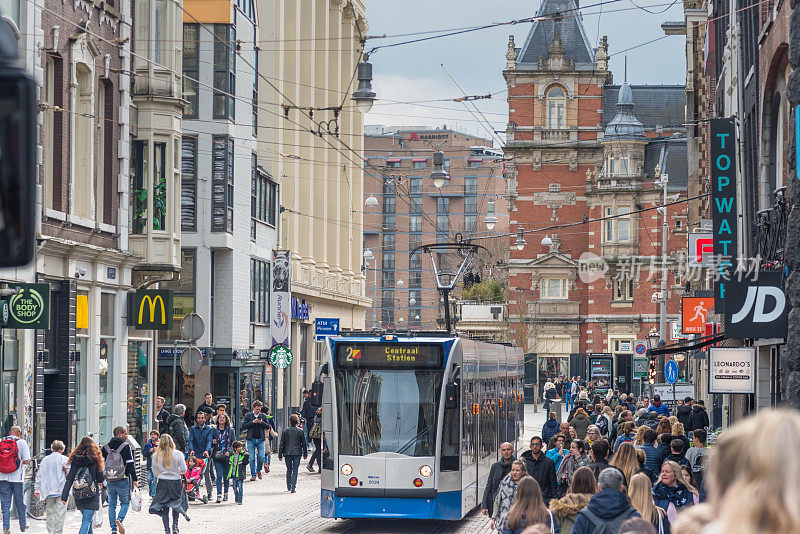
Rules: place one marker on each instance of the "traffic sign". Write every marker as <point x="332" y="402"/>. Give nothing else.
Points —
<point x="640" y="347"/>
<point x="671" y="371"/>
<point x="280" y="356"/>
<point x="192" y="327"/>
<point x="191" y="360"/>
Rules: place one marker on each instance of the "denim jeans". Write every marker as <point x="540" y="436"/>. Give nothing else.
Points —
<point x="9" y="490"/>
<point x="238" y="488"/>
<point x="152" y="482"/>
<point x="255" y="448"/>
<point x="86" y="522"/>
<point x="292" y="463"/>
<point x="222" y="476"/>
<point x="118" y="489"/>
<point x="317" y="453"/>
<point x="569" y="401"/>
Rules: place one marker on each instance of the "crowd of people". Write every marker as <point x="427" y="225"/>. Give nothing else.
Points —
<point x="183" y="463"/>
<point x="621" y="464"/>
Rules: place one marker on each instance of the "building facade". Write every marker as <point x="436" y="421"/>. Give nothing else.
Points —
<point x="582" y="176"/>
<point x="410" y="211"/>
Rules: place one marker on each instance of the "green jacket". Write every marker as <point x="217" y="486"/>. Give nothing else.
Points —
<point x="238" y="465"/>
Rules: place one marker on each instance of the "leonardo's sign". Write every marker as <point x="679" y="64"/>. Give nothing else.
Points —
<point x="151" y="310"/>
<point x="30" y="308"/>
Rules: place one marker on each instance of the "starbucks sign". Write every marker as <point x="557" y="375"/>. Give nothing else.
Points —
<point x="30" y="308"/>
<point x="280" y="356"/>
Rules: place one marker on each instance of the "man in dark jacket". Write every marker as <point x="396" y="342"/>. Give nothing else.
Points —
<point x="654" y="457"/>
<point x="292" y="445"/>
<point x="176" y="427"/>
<point x="657" y="407"/>
<point x="200" y="437"/>
<point x="542" y="468"/>
<point x="550" y="428"/>
<point x="699" y="416"/>
<point x="161" y="415"/>
<point x="685" y="414"/>
<point x="208" y="407"/>
<point x="119" y="489"/>
<point x="256" y="425"/>
<point x="609" y="506"/>
<point x="307" y="411"/>
<point x="496" y="474"/>
<point x="677" y="455"/>
<point x="599" y="454"/>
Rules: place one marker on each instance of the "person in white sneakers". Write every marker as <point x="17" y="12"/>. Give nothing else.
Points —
<point x="14" y="455"/>
<point x="50" y="479"/>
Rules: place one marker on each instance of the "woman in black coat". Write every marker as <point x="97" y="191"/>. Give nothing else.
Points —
<point x="85" y="477"/>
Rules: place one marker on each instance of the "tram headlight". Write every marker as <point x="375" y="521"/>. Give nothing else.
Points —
<point x="425" y="470"/>
<point x="347" y="469"/>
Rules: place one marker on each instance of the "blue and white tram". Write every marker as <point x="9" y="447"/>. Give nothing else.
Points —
<point x="413" y="422"/>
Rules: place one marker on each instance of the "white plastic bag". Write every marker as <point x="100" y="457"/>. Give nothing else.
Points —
<point x="136" y="500"/>
<point x="97" y="520"/>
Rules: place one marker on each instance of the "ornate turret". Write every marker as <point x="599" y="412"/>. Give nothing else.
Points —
<point x="511" y="54"/>
<point x="625" y="125"/>
<point x="601" y="56"/>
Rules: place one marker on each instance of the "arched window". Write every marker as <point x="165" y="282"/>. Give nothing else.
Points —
<point x="556" y="109"/>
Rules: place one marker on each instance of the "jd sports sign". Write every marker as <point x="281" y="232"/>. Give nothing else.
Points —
<point x="151" y="310"/>
<point x="723" y="206"/>
<point x="756" y="307"/>
<point x="30" y="308"/>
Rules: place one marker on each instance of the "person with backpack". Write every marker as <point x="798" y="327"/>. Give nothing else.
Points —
<point x="120" y="475"/>
<point x="316" y="436"/>
<point x="84" y="480"/>
<point x="14" y="454"/>
<point x="177" y="430"/>
<point x="607" y="508"/>
<point x="50" y="479"/>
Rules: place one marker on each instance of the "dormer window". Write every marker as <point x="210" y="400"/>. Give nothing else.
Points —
<point x="619" y="164"/>
<point x="556" y="109"/>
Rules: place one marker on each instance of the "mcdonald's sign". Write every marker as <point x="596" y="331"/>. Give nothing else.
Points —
<point x="151" y="309"/>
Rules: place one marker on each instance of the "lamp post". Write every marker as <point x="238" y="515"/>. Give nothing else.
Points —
<point x="491" y="217"/>
<point x="364" y="96"/>
<point x="652" y="342"/>
<point x="662" y="182"/>
<point x="369" y="256"/>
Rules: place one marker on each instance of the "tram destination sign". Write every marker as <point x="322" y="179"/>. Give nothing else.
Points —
<point x="389" y="356"/>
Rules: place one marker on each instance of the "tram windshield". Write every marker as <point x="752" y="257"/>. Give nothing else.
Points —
<point x="387" y="411"/>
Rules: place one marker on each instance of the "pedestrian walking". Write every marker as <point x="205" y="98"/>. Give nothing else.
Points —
<point x="657" y="407"/>
<point x="627" y="433"/>
<point x="626" y="461"/>
<point x="528" y="509"/>
<point x="672" y="492"/>
<point x="567" y="508"/>
<point x="162" y="415"/>
<point x="169" y="465"/>
<point x="558" y="452"/>
<point x="685" y="414"/>
<point x="256" y="426"/>
<point x="549" y="395"/>
<point x="236" y="470"/>
<point x="201" y="438"/>
<point x="550" y="427"/>
<point x="697" y="456"/>
<point x="292" y="445"/>
<point x="506" y="491"/>
<point x="542" y="468"/>
<point x="581" y="423"/>
<point x="640" y="493"/>
<point x="307" y="412"/>
<point x="222" y="447"/>
<point x="676" y="453"/>
<point x="176" y="428"/>
<point x="84" y="479"/>
<point x="699" y="416"/>
<point x="497" y="472"/>
<point x="607" y="508"/>
<point x="14" y="455"/>
<point x="316" y="437"/>
<point x="655" y="457"/>
<point x="50" y="479"/>
<point x="208" y="407"/>
<point x="599" y="453"/>
<point x="576" y="459"/>
<point x="119" y="473"/>
<point x="147" y="451"/>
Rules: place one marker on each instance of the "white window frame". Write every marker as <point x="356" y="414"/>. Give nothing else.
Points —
<point x="548" y="284"/>
<point x="556" y="108"/>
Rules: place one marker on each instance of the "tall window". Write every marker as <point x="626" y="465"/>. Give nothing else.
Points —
<point x="224" y="71"/>
<point x="622" y="289"/>
<point x="188" y="183"/>
<point x="442" y="205"/>
<point x="388" y="261"/>
<point x="471" y="205"/>
<point x="263" y="195"/>
<point x="138" y="187"/>
<point x="416" y="186"/>
<point x="620" y="164"/>
<point x="191" y="74"/>
<point x="471" y="185"/>
<point x="83" y="180"/>
<point x="554" y="288"/>
<point x="415" y="204"/>
<point x="556" y="109"/>
<point x="415" y="223"/>
<point x="259" y="291"/>
<point x="159" y="186"/>
<point x="105" y="156"/>
<point x="624" y="225"/>
<point x="222" y="184"/>
<point x="388" y="223"/>
<point x="617" y="225"/>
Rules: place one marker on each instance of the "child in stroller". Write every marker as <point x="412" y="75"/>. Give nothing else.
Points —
<point x="195" y="468"/>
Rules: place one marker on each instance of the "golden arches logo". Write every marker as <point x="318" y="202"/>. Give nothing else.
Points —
<point x="152" y="302"/>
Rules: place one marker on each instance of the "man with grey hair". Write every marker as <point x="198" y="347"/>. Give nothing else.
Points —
<point x="608" y="508"/>
<point x="176" y="427"/>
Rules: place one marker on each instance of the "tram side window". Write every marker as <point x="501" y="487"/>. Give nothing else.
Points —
<point x="450" y="440"/>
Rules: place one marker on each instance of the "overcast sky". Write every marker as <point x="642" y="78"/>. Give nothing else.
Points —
<point x="412" y="72"/>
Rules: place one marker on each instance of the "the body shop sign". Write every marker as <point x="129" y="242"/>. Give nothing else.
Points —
<point x="723" y="205"/>
<point x="732" y="370"/>
<point x="30" y="308"/>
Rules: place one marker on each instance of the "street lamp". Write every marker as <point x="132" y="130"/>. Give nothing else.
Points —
<point x="400" y="283"/>
<point x="412" y="301"/>
<point x="369" y="256"/>
<point x="491" y="218"/>
<point x="364" y="96"/>
<point x="546" y="241"/>
<point x="438" y="175"/>
<point x="371" y="202"/>
<point x="520" y="242"/>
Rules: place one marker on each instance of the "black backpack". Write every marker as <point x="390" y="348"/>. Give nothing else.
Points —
<point x="602" y="526"/>
<point x="83" y="486"/>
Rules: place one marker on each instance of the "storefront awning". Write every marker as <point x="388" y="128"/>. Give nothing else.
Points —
<point x="682" y="347"/>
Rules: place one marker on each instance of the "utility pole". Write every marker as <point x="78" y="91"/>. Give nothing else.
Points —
<point x="662" y="309"/>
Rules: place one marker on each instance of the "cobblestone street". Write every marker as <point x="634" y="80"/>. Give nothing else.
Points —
<point x="269" y="508"/>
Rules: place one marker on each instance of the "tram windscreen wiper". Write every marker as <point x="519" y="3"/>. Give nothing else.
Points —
<point x="413" y="440"/>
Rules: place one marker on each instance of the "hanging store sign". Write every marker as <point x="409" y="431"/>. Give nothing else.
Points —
<point x="280" y="357"/>
<point x="723" y="205"/>
<point x="151" y="309"/>
<point x="757" y="307"/>
<point x="701" y="249"/>
<point x="324" y="327"/>
<point x="732" y="370"/>
<point x="280" y="298"/>
<point x="300" y="309"/>
<point x="30" y="308"/>
<point x="694" y="311"/>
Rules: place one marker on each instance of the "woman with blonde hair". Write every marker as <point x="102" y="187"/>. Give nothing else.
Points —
<point x="168" y="466"/>
<point x="678" y="432"/>
<point x="753" y="476"/>
<point x="638" y="439"/>
<point x="672" y="492"/>
<point x="507" y="492"/>
<point x="640" y="493"/>
<point x="626" y="460"/>
<point x="528" y="509"/>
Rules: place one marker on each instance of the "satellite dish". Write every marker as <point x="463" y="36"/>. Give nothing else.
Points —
<point x="191" y="360"/>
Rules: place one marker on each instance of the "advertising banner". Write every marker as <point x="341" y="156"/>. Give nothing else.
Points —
<point x="757" y="307"/>
<point x="600" y="372"/>
<point x="280" y="298"/>
<point x="732" y="370"/>
<point x="694" y="311"/>
<point x="723" y="205"/>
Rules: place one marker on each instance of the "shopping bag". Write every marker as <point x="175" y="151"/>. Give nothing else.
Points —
<point x="97" y="520"/>
<point x="136" y="500"/>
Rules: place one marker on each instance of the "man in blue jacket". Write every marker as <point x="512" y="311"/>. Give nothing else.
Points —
<point x="200" y="438"/>
<point x="654" y="456"/>
<point x="660" y="409"/>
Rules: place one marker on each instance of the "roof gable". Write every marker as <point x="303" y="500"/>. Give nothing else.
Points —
<point x="570" y="29"/>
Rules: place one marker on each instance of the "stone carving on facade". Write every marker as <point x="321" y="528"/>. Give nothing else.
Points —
<point x="554" y="200"/>
<point x="536" y="160"/>
<point x="511" y="54"/>
<point x="601" y="57"/>
<point x="556" y="54"/>
<point x="573" y="160"/>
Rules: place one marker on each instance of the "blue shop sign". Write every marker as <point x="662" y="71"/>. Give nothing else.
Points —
<point x="300" y="309"/>
<point x="324" y="327"/>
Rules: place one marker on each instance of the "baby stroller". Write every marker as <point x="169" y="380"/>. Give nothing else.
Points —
<point x="192" y="480"/>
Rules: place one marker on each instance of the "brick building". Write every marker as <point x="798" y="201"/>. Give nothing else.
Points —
<point x="582" y="173"/>
<point x="411" y="211"/>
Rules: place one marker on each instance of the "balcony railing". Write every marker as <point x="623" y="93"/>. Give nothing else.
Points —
<point x="771" y="231"/>
<point x="555" y="135"/>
